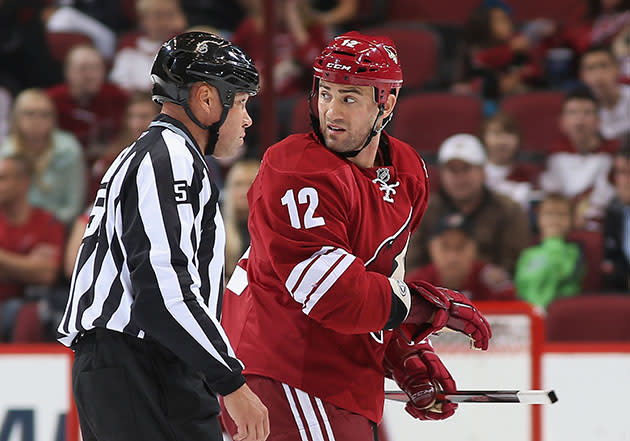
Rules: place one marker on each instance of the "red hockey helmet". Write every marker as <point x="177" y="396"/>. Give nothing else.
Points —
<point x="361" y="60"/>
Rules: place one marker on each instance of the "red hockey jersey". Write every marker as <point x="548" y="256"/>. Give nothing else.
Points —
<point x="326" y="236"/>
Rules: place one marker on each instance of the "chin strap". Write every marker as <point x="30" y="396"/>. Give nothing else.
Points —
<point x="213" y="129"/>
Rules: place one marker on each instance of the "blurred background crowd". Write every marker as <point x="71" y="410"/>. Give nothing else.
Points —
<point x="520" y="108"/>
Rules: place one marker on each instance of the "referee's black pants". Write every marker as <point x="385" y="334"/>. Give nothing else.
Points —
<point x="128" y="389"/>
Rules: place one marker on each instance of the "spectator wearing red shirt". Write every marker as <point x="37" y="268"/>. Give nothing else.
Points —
<point x="497" y="59"/>
<point x="297" y="41"/>
<point x="580" y="163"/>
<point x="456" y="265"/>
<point x="31" y="242"/>
<point x="87" y="105"/>
<point x="159" y="20"/>
<point x="501" y="137"/>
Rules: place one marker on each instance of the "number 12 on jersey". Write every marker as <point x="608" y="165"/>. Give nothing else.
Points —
<point x="305" y="195"/>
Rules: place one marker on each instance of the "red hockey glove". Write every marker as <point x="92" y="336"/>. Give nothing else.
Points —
<point x="419" y="372"/>
<point x="452" y="310"/>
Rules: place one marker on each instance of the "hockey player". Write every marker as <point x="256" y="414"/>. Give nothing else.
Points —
<point x="317" y="307"/>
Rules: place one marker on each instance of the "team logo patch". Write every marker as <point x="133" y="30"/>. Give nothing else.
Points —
<point x="382" y="174"/>
<point x="382" y="179"/>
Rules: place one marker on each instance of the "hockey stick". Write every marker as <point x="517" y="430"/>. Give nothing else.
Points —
<point x="488" y="396"/>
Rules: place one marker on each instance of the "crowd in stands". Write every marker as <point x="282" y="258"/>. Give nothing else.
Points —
<point x="521" y="114"/>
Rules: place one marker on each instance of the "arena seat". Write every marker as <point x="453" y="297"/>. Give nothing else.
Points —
<point x="60" y="43"/>
<point x="426" y="120"/>
<point x="418" y="50"/>
<point x="434" y="11"/>
<point x="557" y="10"/>
<point x="591" y="243"/>
<point x="537" y="114"/>
<point x="589" y="318"/>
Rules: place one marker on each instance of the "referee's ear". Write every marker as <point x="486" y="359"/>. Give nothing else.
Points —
<point x="206" y="98"/>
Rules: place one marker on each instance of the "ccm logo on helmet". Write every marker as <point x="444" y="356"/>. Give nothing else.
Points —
<point x="338" y="66"/>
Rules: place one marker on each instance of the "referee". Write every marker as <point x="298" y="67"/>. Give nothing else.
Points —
<point x="145" y="299"/>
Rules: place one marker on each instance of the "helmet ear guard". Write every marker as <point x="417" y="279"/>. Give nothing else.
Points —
<point x="359" y="60"/>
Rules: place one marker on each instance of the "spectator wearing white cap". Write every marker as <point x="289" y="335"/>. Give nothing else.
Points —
<point x="499" y="225"/>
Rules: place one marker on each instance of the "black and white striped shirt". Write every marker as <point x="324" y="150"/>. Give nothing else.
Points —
<point x="151" y="263"/>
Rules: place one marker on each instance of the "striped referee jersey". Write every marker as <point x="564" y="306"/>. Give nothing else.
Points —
<point x="151" y="263"/>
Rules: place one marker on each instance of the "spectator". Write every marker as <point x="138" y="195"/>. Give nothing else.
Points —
<point x="600" y="72"/>
<point x="31" y="242"/>
<point x="498" y="224"/>
<point x="455" y="264"/>
<point x="335" y="13"/>
<point x="554" y="268"/>
<point x="86" y="105"/>
<point x="501" y="137"/>
<point x="616" y="266"/>
<point x="219" y="14"/>
<point x="611" y="25"/>
<point x="496" y="57"/>
<point x="297" y="41"/>
<point x="236" y="210"/>
<point x="68" y="18"/>
<point x="22" y="43"/>
<point x="58" y="183"/>
<point x="138" y="115"/>
<point x="579" y="164"/>
<point x="159" y="21"/>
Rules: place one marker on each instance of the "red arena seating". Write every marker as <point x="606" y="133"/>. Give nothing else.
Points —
<point x="589" y="318"/>
<point x="426" y="120"/>
<point x="417" y="50"/>
<point x="591" y="243"/>
<point x="433" y="11"/>
<point x="60" y="43"/>
<point x="537" y="114"/>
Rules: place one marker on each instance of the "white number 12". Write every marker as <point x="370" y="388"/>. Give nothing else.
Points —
<point x="306" y="195"/>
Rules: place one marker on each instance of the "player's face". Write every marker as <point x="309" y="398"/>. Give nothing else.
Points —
<point x="346" y="115"/>
<point x="453" y="252"/>
<point x="232" y="131"/>
<point x="599" y="71"/>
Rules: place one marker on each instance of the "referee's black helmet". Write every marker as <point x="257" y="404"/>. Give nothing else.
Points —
<point x="200" y="56"/>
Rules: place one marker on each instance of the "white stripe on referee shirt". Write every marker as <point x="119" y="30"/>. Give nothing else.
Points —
<point x="164" y="272"/>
